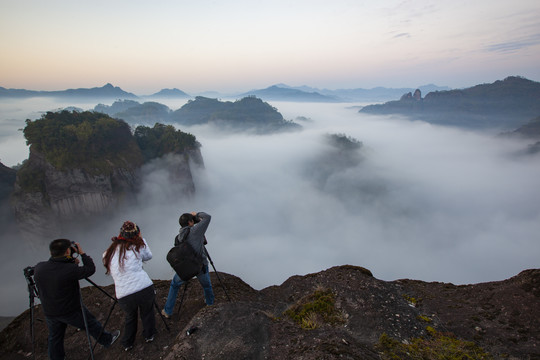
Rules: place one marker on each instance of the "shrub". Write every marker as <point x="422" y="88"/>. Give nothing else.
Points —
<point x="315" y="309"/>
<point x="436" y="345"/>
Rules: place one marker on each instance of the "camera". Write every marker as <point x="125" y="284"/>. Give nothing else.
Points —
<point x="28" y="272"/>
<point x="73" y="250"/>
<point x="29" y="276"/>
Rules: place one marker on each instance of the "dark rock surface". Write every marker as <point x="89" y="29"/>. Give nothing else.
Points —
<point x="502" y="317"/>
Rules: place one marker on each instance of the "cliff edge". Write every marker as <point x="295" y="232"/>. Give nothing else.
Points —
<point x="343" y="312"/>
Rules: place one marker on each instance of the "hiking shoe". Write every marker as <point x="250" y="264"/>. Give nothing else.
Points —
<point x="115" y="336"/>
<point x="165" y="315"/>
<point x="127" y="348"/>
<point x="150" y="339"/>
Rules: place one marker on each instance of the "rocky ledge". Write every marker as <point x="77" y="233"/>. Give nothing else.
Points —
<point x="343" y="312"/>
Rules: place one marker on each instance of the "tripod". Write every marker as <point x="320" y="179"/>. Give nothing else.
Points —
<point x="217" y="275"/>
<point x="112" y="308"/>
<point x="32" y="294"/>
<point x="106" y="321"/>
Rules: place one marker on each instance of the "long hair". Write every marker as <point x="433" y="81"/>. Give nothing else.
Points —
<point x="129" y="238"/>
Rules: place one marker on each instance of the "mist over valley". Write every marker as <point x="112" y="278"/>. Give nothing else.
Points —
<point x="403" y="198"/>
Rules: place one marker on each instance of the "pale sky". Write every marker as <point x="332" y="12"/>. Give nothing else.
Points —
<point x="238" y="45"/>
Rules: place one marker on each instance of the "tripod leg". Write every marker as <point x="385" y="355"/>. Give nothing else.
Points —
<point x="183" y="294"/>
<point x="106" y="321"/>
<point x="86" y="326"/>
<point x="217" y="274"/>
<point x="32" y="322"/>
<point x="221" y="283"/>
<point x="162" y="317"/>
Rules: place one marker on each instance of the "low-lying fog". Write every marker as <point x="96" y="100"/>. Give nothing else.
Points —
<point x="425" y="202"/>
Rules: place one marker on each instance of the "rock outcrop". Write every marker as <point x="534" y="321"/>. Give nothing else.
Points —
<point x="7" y="181"/>
<point x="340" y="313"/>
<point x="82" y="166"/>
<point x="64" y="195"/>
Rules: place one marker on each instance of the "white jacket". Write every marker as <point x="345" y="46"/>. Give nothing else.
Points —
<point x="131" y="277"/>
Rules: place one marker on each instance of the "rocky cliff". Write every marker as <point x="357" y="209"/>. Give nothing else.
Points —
<point x="64" y="195"/>
<point x="84" y="165"/>
<point x="340" y="313"/>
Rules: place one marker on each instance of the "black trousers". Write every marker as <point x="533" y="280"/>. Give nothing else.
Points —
<point x="142" y="301"/>
<point x="57" y="328"/>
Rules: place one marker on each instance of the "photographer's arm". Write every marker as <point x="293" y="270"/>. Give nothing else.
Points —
<point x="146" y="252"/>
<point x="88" y="268"/>
<point x="200" y="228"/>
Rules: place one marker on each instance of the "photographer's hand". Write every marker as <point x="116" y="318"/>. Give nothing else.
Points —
<point x="79" y="249"/>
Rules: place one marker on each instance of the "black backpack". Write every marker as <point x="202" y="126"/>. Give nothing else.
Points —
<point x="184" y="259"/>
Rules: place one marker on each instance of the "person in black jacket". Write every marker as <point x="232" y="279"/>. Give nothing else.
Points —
<point x="57" y="281"/>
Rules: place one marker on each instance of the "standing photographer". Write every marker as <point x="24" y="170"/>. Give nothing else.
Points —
<point x="57" y="281"/>
<point x="134" y="289"/>
<point x="193" y="227"/>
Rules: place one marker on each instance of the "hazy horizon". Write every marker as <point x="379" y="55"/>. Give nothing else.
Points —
<point x="234" y="46"/>
<point x="424" y="202"/>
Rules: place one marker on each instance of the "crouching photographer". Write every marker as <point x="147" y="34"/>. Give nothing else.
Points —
<point x="57" y="281"/>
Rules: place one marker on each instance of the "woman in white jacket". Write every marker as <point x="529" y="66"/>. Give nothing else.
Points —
<point x="134" y="288"/>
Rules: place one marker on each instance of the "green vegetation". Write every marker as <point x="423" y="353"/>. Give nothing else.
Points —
<point x="249" y="113"/>
<point x="411" y="300"/>
<point x="424" y="318"/>
<point x="31" y="179"/>
<point x="96" y="143"/>
<point x="87" y="140"/>
<point x="344" y="142"/>
<point x="163" y="139"/>
<point x="315" y="309"/>
<point x="436" y="345"/>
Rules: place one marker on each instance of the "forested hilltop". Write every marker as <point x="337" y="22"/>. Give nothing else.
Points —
<point x="97" y="143"/>
<point x="83" y="163"/>
<point x="504" y="104"/>
<point x="249" y="114"/>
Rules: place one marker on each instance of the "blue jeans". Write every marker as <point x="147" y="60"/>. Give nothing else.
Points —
<point x="57" y="328"/>
<point x="176" y="283"/>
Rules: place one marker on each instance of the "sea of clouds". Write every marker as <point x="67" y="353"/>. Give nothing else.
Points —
<point x="423" y="202"/>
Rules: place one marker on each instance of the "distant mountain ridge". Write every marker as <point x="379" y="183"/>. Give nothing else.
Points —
<point x="247" y="114"/>
<point x="289" y="94"/>
<point x="106" y="91"/>
<point x="170" y="93"/>
<point x="278" y="92"/>
<point x="507" y="103"/>
<point x="359" y="94"/>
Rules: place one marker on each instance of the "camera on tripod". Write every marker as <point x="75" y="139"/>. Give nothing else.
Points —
<point x="29" y="276"/>
<point x="28" y="272"/>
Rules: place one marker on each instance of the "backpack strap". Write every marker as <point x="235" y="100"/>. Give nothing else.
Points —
<point x="177" y="240"/>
